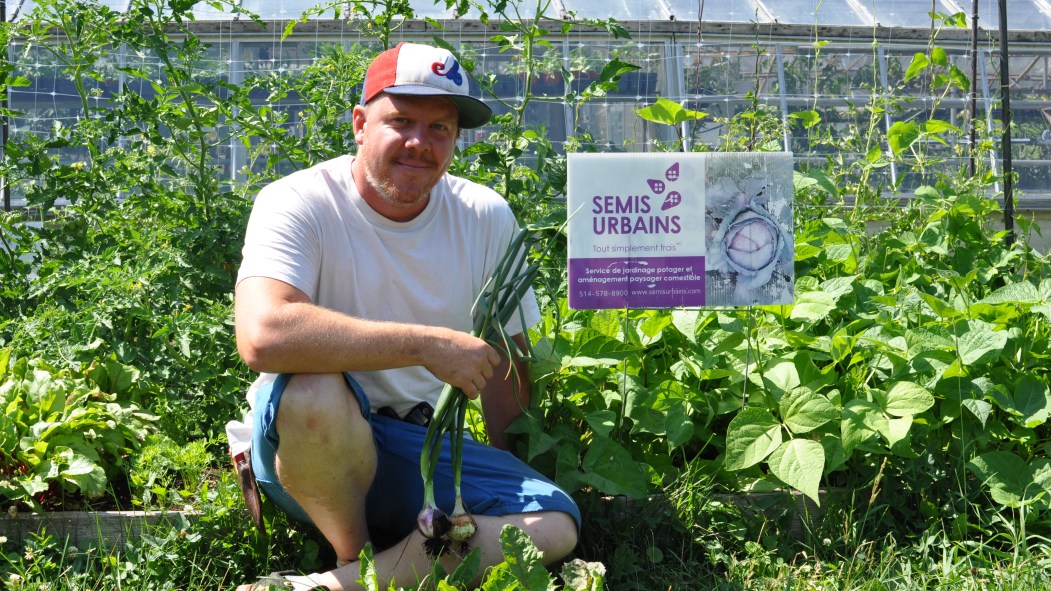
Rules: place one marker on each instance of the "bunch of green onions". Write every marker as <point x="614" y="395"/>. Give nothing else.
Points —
<point x="499" y="300"/>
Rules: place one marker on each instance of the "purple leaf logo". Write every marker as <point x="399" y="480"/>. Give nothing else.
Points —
<point x="656" y="185"/>
<point x="673" y="199"/>
<point x="672" y="174"/>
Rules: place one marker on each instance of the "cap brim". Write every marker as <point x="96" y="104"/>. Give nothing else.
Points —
<point x="473" y="112"/>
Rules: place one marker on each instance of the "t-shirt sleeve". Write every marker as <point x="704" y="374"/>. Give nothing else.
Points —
<point x="283" y="240"/>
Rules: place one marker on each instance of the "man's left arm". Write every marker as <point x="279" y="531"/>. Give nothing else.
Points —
<point x="506" y="394"/>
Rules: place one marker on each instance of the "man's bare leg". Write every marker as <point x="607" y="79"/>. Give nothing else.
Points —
<point x="327" y="458"/>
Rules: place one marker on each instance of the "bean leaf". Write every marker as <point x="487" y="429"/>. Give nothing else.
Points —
<point x="751" y="436"/>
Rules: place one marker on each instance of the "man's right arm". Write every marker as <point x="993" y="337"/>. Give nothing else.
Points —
<point x="279" y="330"/>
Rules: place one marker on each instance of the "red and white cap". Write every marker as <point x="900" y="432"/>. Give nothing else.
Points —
<point x="422" y="70"/>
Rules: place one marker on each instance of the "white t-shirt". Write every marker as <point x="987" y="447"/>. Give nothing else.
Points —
<point x="313" y="230"/>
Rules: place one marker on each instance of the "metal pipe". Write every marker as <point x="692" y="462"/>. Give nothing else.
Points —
<point x="973" y="133"/>
<point x="784" y="97"/>
<point x="988" y="100"/>
<point x="1005" y="110"/>
<point x="881" y="54"/>
<point x="3" y="116"/>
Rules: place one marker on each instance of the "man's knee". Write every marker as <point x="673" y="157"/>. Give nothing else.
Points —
<point x="319" y="405"/>
<point x="553" y="532"/>
<point x="563" y="536"/>
<point x="318" y="419"/>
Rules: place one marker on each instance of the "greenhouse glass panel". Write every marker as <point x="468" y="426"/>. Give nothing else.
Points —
<point x="500" y="74"/>
<point x="623" y="10"/>
<point x="17" y="11"/>
<point x="836" y="72"/>
<point x="278" y="9"/>
<point x="832" y="84"/>
<point x="1032" y="167"/>
<point x="275" y="56"/>
<point x="1035" y="15"/>
<point x="1029" y="15"/>
<point x="150" y="70"/>
<point x="901" y="13"/>
<point x="431" y="9"/>
<point x="713" y="130"/>
<point x="898" y="60"/>
<point x="505" y="73"/>
<point x="1030" y="117"/>
<point x="547" y="80"/>
<point x="586" y="61"/>
<point x="550" y="115"/>
<point x="734" y="12"/>
<point x="723" y="71"/>
<point x="50" y="83"/>
<point x="820" y="12"/>
<point x="616" y="127"/>
<point x="203" y="11"/>
<point x="908" y="13"/>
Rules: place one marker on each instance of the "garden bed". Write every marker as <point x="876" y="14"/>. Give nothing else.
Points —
<point x="87" y="528"/>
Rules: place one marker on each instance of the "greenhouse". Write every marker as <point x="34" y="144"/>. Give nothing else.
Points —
<point x="674" y="294"/>
<point x="792" y="55"/>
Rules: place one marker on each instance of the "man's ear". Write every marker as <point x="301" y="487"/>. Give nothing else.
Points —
<point x="358" y="116"/>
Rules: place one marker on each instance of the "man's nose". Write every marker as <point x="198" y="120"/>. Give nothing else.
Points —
<point x="416" y="138"/>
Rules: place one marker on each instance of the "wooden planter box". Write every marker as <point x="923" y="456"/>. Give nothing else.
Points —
<point x="87" y="528"/>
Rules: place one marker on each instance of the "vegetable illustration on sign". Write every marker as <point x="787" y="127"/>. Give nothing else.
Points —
<point x="748" y="243"/>
<point x="750" y="258"/>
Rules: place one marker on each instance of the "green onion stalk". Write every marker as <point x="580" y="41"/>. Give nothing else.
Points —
<point x="499" y="301"/>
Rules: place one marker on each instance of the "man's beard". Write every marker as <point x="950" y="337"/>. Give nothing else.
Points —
<point x="390" y="192"/>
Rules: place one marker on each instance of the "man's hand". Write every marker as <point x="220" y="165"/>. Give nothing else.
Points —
<point x="463" y="361"/>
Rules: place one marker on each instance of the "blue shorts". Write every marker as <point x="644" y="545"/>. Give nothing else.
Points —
<point x="493" y="482"/>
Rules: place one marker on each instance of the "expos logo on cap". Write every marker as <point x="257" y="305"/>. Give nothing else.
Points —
<point x="422" y="70"/>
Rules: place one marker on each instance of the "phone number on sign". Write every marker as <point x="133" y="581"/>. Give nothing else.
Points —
<point x="621" y="293"/>
<point x="603" y="293"/>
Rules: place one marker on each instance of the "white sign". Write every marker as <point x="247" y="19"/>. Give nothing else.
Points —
<point x="680" y="230"/>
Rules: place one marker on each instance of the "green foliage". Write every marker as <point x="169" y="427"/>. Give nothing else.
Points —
<point x="163" y="466"/>
<point x="667" y="112"/>
<point x="138" y="269"/>
<point x="60" y="434"/>
<point x="922" y="345"/>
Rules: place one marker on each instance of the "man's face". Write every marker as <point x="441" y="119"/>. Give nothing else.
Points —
<point x="406" y="145"/>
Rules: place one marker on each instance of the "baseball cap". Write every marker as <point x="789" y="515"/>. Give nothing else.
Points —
<point x="422" y="70"/>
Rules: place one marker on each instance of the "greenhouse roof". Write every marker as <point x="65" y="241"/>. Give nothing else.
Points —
<point x="1022" y="15"/>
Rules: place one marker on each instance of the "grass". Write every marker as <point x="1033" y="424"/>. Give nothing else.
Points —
<point x="691" y="538"/>
<point x="688" y="539"/>
<point x="872" y="565"/>
<point x="884" y="565"/>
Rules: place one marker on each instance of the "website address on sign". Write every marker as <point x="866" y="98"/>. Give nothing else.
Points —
<point x="667" y="292"/>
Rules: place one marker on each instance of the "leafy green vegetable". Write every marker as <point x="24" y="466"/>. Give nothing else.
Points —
<point x="60" y="434"/>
